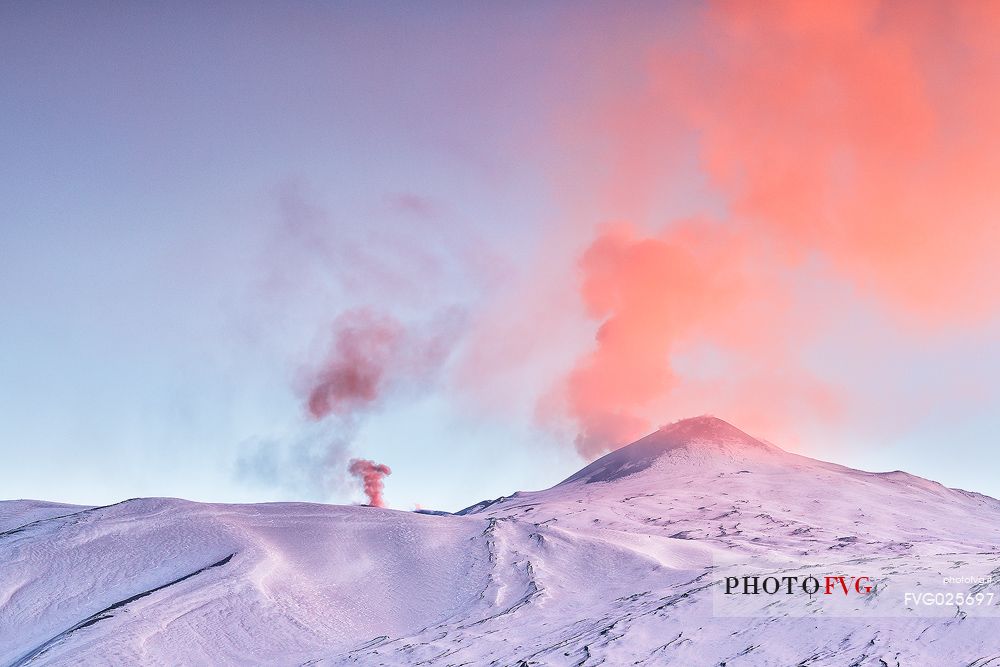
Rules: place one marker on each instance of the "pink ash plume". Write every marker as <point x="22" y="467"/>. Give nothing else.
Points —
<point x="371" y="474"/>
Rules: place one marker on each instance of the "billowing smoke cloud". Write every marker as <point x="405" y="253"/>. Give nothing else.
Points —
<point x="370" y="358"/>
<point x="371" y="353"/>
<point x="854" y="147"/>
<point x="365" y="344"/>
<point x="371" y="475"/>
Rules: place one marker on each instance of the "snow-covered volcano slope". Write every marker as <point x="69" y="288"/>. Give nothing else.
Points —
<point x="623" y="563"/>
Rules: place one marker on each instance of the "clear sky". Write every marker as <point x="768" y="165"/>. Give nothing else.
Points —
<point x="484" y="243"/>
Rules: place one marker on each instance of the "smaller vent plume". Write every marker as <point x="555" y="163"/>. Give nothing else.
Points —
<point x="370" y="474"/>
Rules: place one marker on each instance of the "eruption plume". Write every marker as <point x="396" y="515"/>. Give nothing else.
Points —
<point x="370" y="474"/>
<point x="354" y="374"/>
<point x="852" y="147"/>
<point x="371" y="358"/>
<point x="373" y="354"/>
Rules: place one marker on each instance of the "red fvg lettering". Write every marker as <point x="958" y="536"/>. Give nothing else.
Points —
<point x="856" y="584"/>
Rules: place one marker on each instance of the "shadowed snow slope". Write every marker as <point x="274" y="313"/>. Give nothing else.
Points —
<point x="622" y="563"/>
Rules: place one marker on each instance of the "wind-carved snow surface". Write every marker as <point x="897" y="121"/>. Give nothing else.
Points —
<point x="623" y="563"/>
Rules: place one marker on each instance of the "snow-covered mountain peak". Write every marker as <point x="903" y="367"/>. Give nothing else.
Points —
<point x="704" y="439"/>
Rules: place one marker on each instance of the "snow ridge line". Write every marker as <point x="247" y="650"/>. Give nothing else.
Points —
<point x="105" y="614"/>
<point x="18" y="529"/>
<point x="497" y="551"/>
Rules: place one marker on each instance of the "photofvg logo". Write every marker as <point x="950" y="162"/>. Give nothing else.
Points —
<point x="794" y="594"/>
<point x="788" y="585"/>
